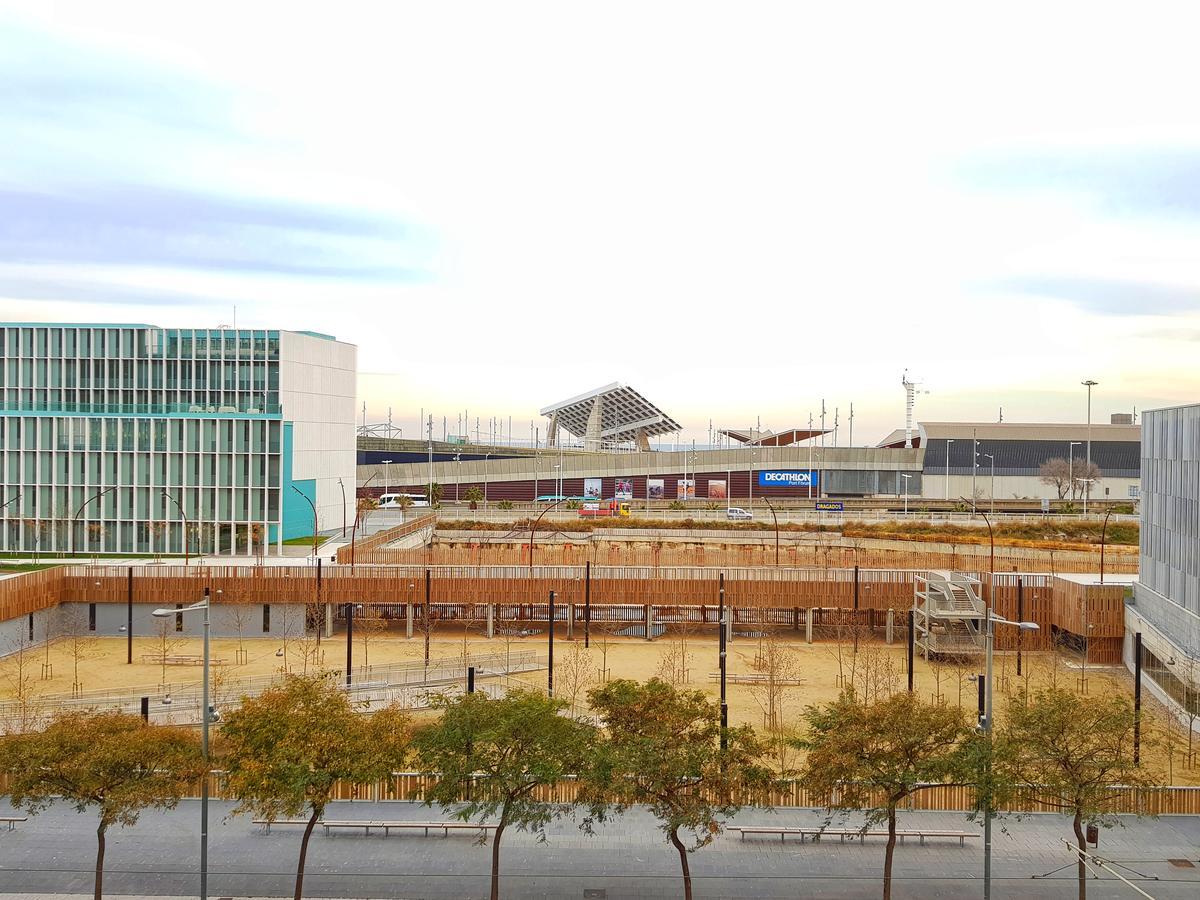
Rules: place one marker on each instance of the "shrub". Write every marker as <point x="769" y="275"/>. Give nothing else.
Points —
<point x="504" y="504"/>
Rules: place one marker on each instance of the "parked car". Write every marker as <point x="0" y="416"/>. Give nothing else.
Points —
<point x="736" y="512"/>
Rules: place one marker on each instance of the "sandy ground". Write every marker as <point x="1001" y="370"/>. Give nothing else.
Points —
<point x="820" y="669"/>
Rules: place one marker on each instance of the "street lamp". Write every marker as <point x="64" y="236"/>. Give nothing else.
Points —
<point x="457" y="475"/>
<point x="992" y="489"/>
<point x="183" y="515"/>
<point x="387" y="476"/>
<point x="205" y="718"/>
<point x="776" y="518"/>
<point x="948" y="443"/>
<point x="75" y="522"/>
<point x="987" y="730"/>
<point x="343" y="487"/>
<point x="1087" y="488"/>
<point x="485" y="478"/>
<point x="905" y="477"/>
<point x="557" y="480"/>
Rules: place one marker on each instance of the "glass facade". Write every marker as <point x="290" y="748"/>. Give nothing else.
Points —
<point x="112" y="436"/>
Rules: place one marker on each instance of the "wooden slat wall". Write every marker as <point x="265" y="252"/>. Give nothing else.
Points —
<point x="1055" y="603"/>
<point x="21" y="595"/>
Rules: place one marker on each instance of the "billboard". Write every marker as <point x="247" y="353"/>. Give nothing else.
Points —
<point x="654" y="488"/>
<point x="591" y="488"/>
<point x="787" y="478"/>
<point x="716" y="489"/>
<point x="685" y="489"/>
<point x="623" y="489"/>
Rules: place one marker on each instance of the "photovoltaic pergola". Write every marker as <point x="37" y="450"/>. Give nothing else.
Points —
<point x="613" y="414"/>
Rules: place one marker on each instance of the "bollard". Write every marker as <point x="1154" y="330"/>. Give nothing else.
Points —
<point x="328" y="620"/>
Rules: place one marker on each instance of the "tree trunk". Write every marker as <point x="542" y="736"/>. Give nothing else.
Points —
<point x="98" y="891"/>
<point x="496" y="854"/>
<point x="308" y="830"/>
<point x="889" y="853"/>
<point x="683" y="864"/>
<point x="1081" y="841"/>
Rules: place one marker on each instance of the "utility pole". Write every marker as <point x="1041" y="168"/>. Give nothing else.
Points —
<point x="851" y="440"/>
<point x="1087" y="484"/>
<point x="429" y="430"/>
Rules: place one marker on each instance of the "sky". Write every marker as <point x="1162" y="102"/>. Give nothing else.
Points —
<point x="740" y="210"/>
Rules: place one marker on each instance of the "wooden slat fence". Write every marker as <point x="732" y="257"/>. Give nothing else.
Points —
<point x="363" y="551"/>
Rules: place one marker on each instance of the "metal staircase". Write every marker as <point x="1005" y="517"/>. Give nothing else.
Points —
<point x="948" y="614"/>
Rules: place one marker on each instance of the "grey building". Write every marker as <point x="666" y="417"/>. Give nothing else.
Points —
<point x="1165" y="607"/>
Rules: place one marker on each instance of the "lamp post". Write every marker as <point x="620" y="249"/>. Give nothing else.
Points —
<point x="992" y="621"/>
<point x="721" y="662"/>
<point x="350" y="607"/>
<point x="343" y="487"/>
<point x="457" y="475"/>
<point x="1103" y="534"/>
<point x="182" y="515"/>
<point x="776" y="518"/>
<point x="1087" y="488"/>
<point x="387" y="476"/>
<point x="485" y="478"/>
<point x="992" y="489"/>
<point x="75" y="521"/>
<point x="1071" y="466"/>
<point x="205" y="716"/>
<point x="557" y="480"/>
<point x="906" y="478"/>
<point x="314" y="512"/>
<point x="948" y="443"/>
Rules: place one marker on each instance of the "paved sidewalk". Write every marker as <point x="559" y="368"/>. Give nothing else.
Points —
<point x="53" y="854"/>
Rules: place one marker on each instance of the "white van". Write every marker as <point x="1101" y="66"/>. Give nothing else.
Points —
<point x="736" y="512"/>
<point x="392" y="501"/>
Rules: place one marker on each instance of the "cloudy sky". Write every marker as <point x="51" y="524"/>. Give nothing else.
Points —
<point x="739" y="209"/>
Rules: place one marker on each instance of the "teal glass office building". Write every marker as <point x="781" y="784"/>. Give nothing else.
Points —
<point x="133" y="438"/>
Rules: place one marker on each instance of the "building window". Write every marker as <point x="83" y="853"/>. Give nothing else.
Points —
<point x="31" y="628"/>
<point x="91" y="617"/>
<point x="179" y="618"/>
<point x="266" y="617"/>
<point x="1135" y="491"/>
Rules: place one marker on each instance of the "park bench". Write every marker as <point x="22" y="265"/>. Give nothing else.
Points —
<point x="757" y="678"/>
<point x="386" y="827"/>
<point x="816" y="833"/>
<point x="11" y="821"/>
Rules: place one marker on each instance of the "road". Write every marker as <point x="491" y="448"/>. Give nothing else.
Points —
<point x="53" y="853"/>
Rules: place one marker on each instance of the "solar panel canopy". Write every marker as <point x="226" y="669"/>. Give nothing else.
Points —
<point x="623" y="415"/>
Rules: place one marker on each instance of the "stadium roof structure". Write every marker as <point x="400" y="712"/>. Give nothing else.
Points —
<point x="784" y="438"/>
<point x="612" y="414"/>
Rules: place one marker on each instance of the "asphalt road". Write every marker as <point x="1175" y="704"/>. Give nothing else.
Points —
<point x="54" y="852"/>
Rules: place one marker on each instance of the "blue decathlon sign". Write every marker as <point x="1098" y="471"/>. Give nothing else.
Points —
<point x="789" y="478"/>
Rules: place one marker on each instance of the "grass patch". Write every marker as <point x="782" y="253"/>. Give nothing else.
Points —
<point x="26" y="567"/>
<point x="305" y="541"/>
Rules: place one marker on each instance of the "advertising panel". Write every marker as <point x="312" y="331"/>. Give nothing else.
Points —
<point x="685" y="489"/>
<point x="787" y="478"/>
<point x="623" y="489"/>
<point x="591" y="488"/>
<point x="654" y="488"/>
<point x="716" y="489"/>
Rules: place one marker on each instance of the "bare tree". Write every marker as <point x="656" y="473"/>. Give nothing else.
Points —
<point x="1084" y="473"/>
<point x="779" y="671"/>
<point x="18" y="675"/>
<point x="166" y="639"/>
<point x="675" y="660"/>
<point x="369" y="627"/>
<point x="603" y="639"/>
<point x="574" y="675"/>
<point x="241" y="616"/>
<point x="80" y="642"/>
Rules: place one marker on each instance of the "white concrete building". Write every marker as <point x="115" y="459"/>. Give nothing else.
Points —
<point x="132" y="438"/>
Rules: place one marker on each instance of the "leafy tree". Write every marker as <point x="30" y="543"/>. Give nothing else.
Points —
<point x="474" y="496"/>
<point x="1069" y="753"/>
<point x="662" y="749"/>
<point x="286" y="749"/>
<point x="435" y="494"/>
<point x="513" y="746"/>
<point x="871" y="757"/>
<point x="111" y="761"/>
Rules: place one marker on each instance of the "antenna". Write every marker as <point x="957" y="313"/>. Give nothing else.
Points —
<point x="910" y="396"/>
